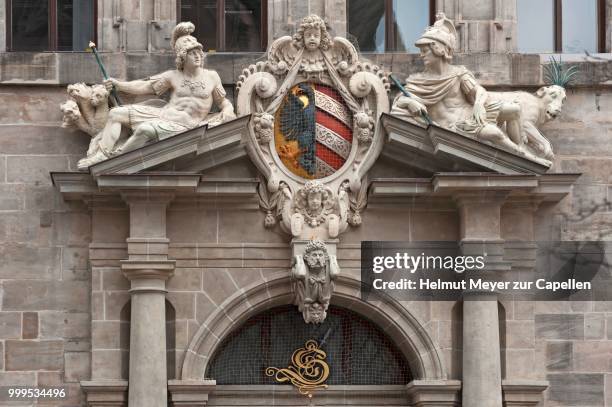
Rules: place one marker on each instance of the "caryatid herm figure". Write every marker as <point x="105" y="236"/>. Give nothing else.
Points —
<point x="314" y="273"/>
<point x="452" y="97"/>
<point x="193" y="90"/>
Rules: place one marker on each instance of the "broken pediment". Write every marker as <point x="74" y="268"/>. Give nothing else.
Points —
<point x="411" y="148"/>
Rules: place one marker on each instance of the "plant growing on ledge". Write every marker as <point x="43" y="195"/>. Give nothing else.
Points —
<point x="558" y="73"/>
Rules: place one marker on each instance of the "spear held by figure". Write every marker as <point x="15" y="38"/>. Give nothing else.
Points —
<point x="408" y="94"/>
<point x="114" y="97"/>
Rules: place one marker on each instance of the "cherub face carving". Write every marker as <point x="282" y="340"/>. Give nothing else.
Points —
<point x="315" y="200"/>
<point x="312" y="38"/>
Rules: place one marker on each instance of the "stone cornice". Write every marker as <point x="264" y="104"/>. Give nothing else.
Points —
<point x="535" y="188"/>
<point x="452" y="182"/>
<point x="83" y="186"/>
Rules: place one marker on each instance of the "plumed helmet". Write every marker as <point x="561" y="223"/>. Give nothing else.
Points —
<point x="442" y="31"/>
<point x="182" y="41"/>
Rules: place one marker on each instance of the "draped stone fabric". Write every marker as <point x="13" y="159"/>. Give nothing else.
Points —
<point x="431" y="91"/>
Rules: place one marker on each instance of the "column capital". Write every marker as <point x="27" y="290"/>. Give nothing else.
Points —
<point x="148" y="275"/>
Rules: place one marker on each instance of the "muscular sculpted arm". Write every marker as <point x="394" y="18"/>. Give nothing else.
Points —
<point x="219" y="96"/>
<point x="227" y="109"/>
<point x="475" y="94"/>
<point x="137" y="87"/>
<point x="480" y="113"/>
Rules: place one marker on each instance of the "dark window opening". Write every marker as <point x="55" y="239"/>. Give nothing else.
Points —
<point x="227" y="25"/>
<point x="358" y="352"/>
<point x="388" y="25"/>
<point x="568" y="26"/>
<point x="50" y="25"/>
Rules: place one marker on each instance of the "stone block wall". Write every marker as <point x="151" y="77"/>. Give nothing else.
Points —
<point x="64" y="304"/>
<point x="45" y="280"/>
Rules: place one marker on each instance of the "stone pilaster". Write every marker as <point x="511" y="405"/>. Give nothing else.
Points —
<point x="148" y="269"/>
<point x="481" y="235"/>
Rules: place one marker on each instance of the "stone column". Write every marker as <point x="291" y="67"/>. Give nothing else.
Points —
<point x="148" y="268"/>
<point x="480" y="235"/>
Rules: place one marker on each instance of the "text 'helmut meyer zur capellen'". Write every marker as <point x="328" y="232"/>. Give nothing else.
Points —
<point x="479" y="284"/>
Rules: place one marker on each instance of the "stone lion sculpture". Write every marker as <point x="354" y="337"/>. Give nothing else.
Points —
<point x="536" y="110"/>
<point x="87" y="108"/>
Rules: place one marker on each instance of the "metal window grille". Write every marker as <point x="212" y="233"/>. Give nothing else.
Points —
<point x="358" y="352"/>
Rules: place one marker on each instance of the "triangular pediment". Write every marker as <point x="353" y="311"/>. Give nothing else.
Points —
<point x="434" y="149"/>
<point x="194" y="151"/>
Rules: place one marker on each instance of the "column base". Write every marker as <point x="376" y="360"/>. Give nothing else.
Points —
<point x="106" y="393"/>
<point x="434" y="393"/>
<point x="523" y="393"/>
<point x="190" y="393"/>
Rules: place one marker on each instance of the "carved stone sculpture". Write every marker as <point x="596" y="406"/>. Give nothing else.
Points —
<point x="87" y="109"/>
<point x="317" y="207"/>
<point x="313" y="137"/>
<point x="313" y="105"/>
<point x="193" y="90"/>
<point x="453" y="99"/>
<point x="314" y="272"/>
<point x="536" y="110"/>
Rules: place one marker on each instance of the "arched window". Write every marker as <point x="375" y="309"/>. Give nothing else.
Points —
<point x="50" y="25"/>
<point x="388" y="25"/>
<point x="227" y="25"/>
<point x="358" y="352"/>
<point x="569" y="26"/>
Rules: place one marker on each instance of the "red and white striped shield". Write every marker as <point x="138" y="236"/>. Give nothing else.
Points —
<point x="313" y="131"/>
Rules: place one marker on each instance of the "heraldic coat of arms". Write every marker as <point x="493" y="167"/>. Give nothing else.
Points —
<point x="314" y="105"/>
<point x="313" y="136"/>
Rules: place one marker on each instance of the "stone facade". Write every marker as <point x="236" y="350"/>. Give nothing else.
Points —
<point x="65" y="306"/>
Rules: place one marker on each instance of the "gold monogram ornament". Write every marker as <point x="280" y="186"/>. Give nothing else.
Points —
<point x="308" y="370"/>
